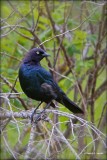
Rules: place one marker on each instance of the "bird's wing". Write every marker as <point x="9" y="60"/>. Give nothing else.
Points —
<point x="48" y="85"/>
<point x="50" y="90"/>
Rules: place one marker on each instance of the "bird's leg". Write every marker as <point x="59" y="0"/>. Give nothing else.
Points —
<point x="39" y="116"/>
<point x="35" y="111"/>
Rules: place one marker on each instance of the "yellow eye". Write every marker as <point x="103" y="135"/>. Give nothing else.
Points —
<point x="37" y="52"/>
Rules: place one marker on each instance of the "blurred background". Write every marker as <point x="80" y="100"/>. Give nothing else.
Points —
<point x="74" y="34"/>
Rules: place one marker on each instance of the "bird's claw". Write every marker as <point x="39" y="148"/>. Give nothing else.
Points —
<point x="41" y="116"/>
<point x="36" y="118"/>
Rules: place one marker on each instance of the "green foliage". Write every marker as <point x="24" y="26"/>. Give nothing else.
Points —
<point x="28" y="24"/>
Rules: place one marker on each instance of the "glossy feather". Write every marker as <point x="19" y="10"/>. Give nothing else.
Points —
<point x="37" y="83"/>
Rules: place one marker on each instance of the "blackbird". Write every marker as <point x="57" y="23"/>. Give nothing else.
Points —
<point x="38" y="83"/>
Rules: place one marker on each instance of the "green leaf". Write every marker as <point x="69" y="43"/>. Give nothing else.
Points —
<point x="71" y="50"/>
<point x="81" y="35"/>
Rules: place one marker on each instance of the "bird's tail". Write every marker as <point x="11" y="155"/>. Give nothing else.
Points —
<point x="71" y="105"/>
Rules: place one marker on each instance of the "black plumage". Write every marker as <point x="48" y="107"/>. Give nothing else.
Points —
<point x="37" y="83"/>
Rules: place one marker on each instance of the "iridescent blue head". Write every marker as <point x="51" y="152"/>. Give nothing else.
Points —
<point x="35" y="55"/>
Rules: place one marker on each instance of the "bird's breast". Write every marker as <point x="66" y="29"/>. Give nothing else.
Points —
<point x="29" y="82"/>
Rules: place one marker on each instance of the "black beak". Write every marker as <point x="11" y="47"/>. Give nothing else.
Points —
<point x="45" y="54"/>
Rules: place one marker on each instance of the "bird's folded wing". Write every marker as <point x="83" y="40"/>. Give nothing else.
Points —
<point x="45" y="77"/>
<point x="48" y="85"/>
<point x="48" y="90"/>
